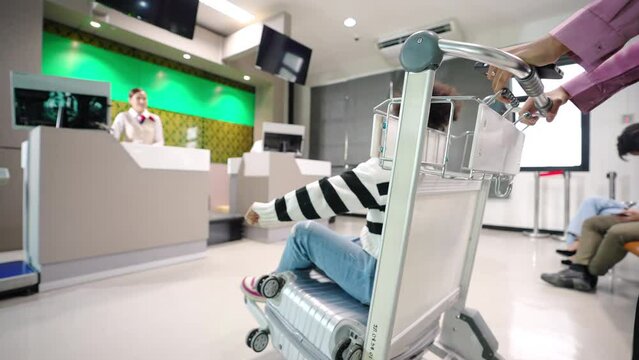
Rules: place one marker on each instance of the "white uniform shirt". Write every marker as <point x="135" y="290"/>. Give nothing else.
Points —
<point x="145" y="128"/>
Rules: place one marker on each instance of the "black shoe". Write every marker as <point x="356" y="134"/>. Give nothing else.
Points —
<point x="566" y="262"/>
<point x="575" y="277"/>
<point x="566" y="252"/>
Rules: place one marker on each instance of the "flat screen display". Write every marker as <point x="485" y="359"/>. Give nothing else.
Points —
<point x="282" y="56"/>
<point x="282" y="142"/>
<point x="561" y="144"/>
<point x="52" y="108"/>
<point x="176" y="16"/>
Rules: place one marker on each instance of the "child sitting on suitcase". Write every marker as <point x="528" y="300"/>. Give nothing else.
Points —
<point x="349" y="262"/>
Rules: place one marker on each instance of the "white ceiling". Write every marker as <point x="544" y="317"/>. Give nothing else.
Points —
<point x="336" y="55"/>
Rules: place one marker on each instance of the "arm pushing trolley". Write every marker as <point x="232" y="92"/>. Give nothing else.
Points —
<point x="426" y="259"/>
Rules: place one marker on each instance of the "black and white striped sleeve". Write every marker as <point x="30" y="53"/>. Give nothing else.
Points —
<point x="363" y="187"/>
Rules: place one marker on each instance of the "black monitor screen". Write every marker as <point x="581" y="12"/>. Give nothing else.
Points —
<point x="176" y="16"/>
<point x="42" y="107"/>
<point x="282" y="56"/>
<point x="282" y="142"/>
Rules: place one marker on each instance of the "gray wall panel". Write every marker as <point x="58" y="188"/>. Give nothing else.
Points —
<point x="21" y="39"/>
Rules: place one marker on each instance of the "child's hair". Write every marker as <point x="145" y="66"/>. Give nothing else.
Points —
<point x="628" y="141"/>
<point x="439" y="113"/>
<point x="134" y="91"/>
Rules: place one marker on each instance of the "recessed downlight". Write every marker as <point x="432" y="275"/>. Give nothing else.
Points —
<point x="247" y="78"/>
<point x="95" y="24"/>
<point x="186" y="56"/>
<point x="350" y="22"/>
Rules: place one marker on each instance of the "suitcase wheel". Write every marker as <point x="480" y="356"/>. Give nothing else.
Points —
<point x="257" y="340"/>
<point x="270" y="286"/>
<point x="353" y="352"/>
<point x="348" y="350"/>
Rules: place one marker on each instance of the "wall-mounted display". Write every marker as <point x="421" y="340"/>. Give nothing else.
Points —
<point x="176" y="16"/>
<point x="41" y="100"/>
<point x="282" y="56"/>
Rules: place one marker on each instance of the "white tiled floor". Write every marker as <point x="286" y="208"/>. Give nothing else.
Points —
<point x="195" y="310"/>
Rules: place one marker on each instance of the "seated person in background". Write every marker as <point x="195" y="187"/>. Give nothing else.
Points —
<point x="349" y="261"/>
<point x="138" y="125"/>
<point x="602" y="239"/>
<point x="627" y="143"/>
<point x="600" y="248"/>
<point x="590" y="207"/>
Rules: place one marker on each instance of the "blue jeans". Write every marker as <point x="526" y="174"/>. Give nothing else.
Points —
<point x="339" y="257"/>
<point x="590" y="207"/>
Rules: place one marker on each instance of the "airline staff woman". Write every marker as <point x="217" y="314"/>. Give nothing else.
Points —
<point x="137" y="124"/>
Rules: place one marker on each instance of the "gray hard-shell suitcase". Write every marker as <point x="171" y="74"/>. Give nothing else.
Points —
<point x="313" y="318"/>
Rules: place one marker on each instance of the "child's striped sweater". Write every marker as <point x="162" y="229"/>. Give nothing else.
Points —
<point x="366" y="186"/>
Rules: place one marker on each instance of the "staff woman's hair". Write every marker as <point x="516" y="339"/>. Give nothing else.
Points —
<point x="134" y="91"/>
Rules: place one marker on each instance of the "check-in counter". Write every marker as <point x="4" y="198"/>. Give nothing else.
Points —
<point x="97" y="208"/>
<point x="264" y="176"/>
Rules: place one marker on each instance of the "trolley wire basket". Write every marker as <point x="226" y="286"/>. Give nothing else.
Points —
<point x="475" y="148"/>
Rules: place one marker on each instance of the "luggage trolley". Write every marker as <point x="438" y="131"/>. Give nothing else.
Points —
<point x="433" y="219"/>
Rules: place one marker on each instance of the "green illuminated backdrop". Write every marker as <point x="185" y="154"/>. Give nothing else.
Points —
<point x="167" y="89"/>
<point x="224" y="114"/>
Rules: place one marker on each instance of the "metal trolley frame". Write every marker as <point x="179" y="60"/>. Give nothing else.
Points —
<point x="496" y="152"/>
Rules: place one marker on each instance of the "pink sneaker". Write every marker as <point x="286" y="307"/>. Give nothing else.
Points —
<point x="249" y="288"/>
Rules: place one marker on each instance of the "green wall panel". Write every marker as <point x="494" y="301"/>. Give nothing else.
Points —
<point x="168" y="89"/>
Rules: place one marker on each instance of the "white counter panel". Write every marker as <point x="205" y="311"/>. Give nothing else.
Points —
<point x="169" y="157"/>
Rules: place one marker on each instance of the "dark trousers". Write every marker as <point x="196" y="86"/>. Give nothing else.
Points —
<point x="602" y="242"/>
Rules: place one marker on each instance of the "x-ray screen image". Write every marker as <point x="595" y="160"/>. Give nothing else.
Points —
<point x="282" y="143"/>
<point x="59" y="108"/>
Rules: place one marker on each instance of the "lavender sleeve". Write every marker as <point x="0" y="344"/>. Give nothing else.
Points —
<point x="598" y="30"/>
<point x="595" y="35"/>
<point x="590" y="89"/>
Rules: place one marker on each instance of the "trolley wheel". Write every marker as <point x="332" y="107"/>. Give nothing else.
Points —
<point x="257" y="340"/>
<point x="353" y="352"/>
<point x="270" y="286"/>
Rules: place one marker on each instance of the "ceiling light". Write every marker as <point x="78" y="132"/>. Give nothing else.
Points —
<point x="229" y="9"/>
<point x="95" y="24"/>
<point x="247" y="78"/>
<point x="143" y="4"/>
<point x="186" y="56"/>
<point x="350" y="22"/>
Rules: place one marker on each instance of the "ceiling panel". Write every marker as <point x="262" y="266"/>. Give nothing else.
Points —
<point x="336" y="54"/>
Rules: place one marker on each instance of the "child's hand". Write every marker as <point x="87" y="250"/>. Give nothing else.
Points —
<point x="251" y="217"/>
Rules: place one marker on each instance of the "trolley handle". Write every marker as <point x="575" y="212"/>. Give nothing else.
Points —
<point x="425" y="49"/>
<point x="524" y="73"/>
